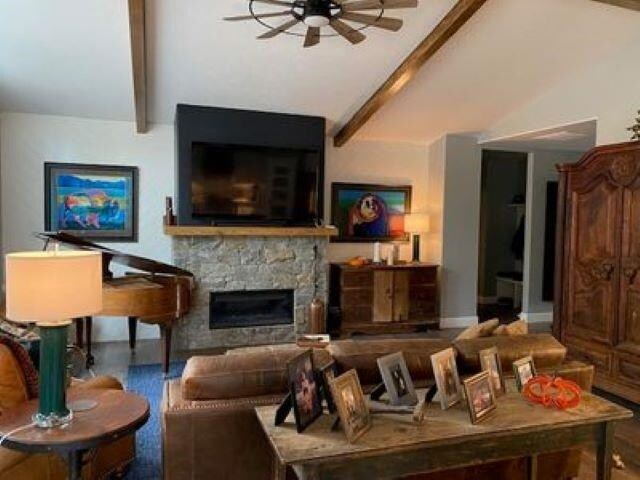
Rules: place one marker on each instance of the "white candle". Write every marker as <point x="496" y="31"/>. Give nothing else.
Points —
<point x="376" y="252"/>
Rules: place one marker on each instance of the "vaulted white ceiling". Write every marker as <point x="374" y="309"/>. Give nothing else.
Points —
<point x="72" y="57"/>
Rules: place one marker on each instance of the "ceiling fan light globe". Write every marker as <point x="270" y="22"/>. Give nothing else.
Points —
<point x="316" y="21"/>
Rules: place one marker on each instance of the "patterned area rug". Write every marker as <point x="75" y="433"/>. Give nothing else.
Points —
<point x="148" y="381"/>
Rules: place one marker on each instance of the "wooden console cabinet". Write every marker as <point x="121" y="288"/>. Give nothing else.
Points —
<point x="383" y="299"/>
<point x="597" y="309"/>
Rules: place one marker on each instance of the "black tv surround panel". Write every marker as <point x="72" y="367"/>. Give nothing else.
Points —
<point x="212" y="142"/>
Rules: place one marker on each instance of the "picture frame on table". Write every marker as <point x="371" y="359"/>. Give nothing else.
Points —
<point x="524" y="370"/>
<point x="327" y="374"/>
<point x="93" y="202"/>
<point x="369" y="212"/>
<point x="445" y="372"/>
<point x="490" y="362"/>
<point x="351" y="405"/>
<point x="481" y="399"/>
<point x="397" y="379"/>
<point x="305" y="390"/>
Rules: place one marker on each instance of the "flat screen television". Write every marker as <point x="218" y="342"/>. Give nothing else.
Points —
<point x="232" y="184"/>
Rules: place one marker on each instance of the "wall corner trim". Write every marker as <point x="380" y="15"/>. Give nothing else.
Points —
<point x="537" y="317"/>
<point x="458" y="322"/>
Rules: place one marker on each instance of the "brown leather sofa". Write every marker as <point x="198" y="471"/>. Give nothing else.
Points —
<point x="209" y="427"/>
<point x="109" y="460"/>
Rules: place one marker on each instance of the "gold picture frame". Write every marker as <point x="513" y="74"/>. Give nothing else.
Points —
<point x="351" y="405"/>
<point x="481" y="399"/>
<point x="490" y="362"/>
<point x="524" y="370"/>
<point x="445" y="372"/>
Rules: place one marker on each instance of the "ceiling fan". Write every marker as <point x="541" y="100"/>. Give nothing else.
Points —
<point x="315" y="14"/>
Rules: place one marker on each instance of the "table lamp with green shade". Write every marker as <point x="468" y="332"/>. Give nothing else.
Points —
<point x="416" y="223"/>
<point x="49" y="289"/>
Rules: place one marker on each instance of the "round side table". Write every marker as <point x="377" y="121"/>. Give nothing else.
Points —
<point x="116" y="415"/>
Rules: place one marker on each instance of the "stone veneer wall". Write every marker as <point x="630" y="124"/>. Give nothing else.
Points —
<point x="249" y="263"/>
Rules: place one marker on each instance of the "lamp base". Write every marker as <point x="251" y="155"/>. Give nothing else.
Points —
<point x="52" y="420"/>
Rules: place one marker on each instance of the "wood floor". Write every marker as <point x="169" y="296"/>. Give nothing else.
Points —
<point x="114" y="358"/>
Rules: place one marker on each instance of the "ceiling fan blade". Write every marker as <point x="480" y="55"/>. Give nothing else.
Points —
<point x="378" y="4"/>
<point x="312" y="38"/>
<point x="276" y="2"/>
<point x="393" y="24"/>
<point x="354" y="36"/>
<point x="279" y="29"/>
<point x="260" y="15"/>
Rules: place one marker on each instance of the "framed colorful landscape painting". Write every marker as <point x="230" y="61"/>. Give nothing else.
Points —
<point x="95" y="202"/>
<point x="370" y="213"/>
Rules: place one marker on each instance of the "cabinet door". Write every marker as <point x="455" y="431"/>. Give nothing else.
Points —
<point x="382" y="296"/>
<point x="594" y="217"/>
<point x="400" y="296"/>
<point x="629" y="313"/>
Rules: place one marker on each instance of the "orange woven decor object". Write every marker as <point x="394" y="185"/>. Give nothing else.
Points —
<point x="552" y="392"/>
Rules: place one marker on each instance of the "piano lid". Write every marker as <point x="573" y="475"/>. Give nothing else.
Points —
<point x="108" y="254"/>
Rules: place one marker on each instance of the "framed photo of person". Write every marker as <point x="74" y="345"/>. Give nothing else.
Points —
<point x="490" y="362"/>
<point x="352" y="407"/>
<point x="524" y="370"/>
<point x="305" y="391"/>
<point x="481" y="399"/>
<point x="93" y="202"/>
<point x="327" y="374"/>
<point x="445" y="372"/>
<point x="370" y="213"/>
<point x="397" y="380"/>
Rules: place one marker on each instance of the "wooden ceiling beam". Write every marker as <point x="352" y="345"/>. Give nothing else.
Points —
<point x="138" y="62"/>
<point x="630" y="4"/>
<point x="434" y="41"/>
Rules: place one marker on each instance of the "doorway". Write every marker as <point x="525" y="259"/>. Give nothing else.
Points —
<point x="503" y="197"/>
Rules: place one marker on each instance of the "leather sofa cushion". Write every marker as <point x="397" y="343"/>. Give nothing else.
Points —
<point x="363" y="354"/>
<point x="13" y="388"/>
<point x="252" y="372"/>
<point x="546" y="351"/>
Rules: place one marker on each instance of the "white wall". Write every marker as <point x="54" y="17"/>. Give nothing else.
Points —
<point x="383" y="163"/>
<point x="28" y="141"/>
<point x="607" y="90"/>
<point x="541" y="169"/>
<point x="461" y="227"/>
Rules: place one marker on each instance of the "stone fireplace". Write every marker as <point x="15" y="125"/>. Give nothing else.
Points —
<point x="238" y="275"/>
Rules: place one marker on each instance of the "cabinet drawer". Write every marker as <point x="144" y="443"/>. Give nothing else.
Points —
<point x="357" y="279"/>
<point x="628" y="368"/>
<point x="356" y="314"/>
<point x="422" y="294"/>
<point x="356" y="296"/>
<point x="600" y="359"/>
<point x="423" y="275"/>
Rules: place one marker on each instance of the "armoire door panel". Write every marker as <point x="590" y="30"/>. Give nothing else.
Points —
<point x="382" y="296"/>
<point x="629" y="312"/>
<point x="600" y="358"/>
<point x="627" y="368"/>
<point x="593" y="260"/>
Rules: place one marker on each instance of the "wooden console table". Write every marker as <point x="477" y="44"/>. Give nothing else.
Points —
<point x="384" y="299"/>
<point x="395" y="447"/>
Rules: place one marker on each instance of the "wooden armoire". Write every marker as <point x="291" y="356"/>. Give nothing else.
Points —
<point x="597" y="284"/>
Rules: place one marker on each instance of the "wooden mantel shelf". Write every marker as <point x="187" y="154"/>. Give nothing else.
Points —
<point x="248" y="231"/>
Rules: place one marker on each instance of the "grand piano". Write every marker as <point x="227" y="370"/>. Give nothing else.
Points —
<point x="156" y="293"/>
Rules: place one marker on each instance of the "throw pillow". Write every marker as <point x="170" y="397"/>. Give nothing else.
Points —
<point x="484" y="329"/>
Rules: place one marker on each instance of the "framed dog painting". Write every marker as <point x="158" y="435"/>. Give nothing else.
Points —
<point x="370" y="213"/>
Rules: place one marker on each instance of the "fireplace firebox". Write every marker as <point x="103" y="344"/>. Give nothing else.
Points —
<point x="251" y="308"/>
